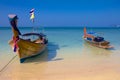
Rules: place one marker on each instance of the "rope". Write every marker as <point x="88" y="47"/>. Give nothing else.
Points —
<point x="7" y="64"/>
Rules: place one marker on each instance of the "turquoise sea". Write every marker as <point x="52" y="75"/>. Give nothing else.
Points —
<point x="61" y="40"/>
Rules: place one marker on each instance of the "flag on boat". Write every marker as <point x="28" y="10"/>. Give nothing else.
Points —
<point x="32" y="15"/>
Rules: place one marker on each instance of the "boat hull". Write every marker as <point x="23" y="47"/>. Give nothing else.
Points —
<point x="103" y="44"/>
<point x="27" y="48"/>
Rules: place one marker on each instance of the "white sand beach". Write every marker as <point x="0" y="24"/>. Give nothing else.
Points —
<point x="75" y="65"/>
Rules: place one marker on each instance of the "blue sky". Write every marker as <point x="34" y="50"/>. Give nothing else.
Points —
<point x="62" y="12"/>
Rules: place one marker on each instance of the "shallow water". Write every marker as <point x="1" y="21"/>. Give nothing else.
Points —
<point x="68" y="56"/>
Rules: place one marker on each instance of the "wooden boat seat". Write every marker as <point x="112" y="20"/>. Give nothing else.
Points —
<point x="38" y="41"/>
<point x="105" y="43"/>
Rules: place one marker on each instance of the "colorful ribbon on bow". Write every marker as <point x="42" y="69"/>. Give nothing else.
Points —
<point x="15" y="39"/>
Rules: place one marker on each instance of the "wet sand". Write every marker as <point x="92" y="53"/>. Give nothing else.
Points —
<point x="88" y="63"/>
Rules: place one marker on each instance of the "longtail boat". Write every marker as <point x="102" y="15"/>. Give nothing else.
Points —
<point x="97" y="41"/>
<point x="26" y="48"/>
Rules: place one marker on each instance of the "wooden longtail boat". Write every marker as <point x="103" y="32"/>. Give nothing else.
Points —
<point x="96" y="40"/>
<point x="26" y="48"/>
